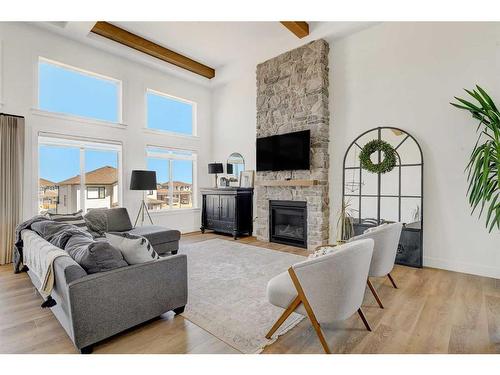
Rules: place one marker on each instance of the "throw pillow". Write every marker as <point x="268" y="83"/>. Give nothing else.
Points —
<point x="94" y="256"/>
<point x="97" y="222"/>
<point x="135" y="249"/>
<point x="75" y="219"/>
<point x="324" y="250"/>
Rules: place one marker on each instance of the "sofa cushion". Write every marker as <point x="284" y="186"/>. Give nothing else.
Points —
<point x="118" y="219"/>
<point x="94" y="256"/>
<point x="135" y="249"/>
<point x="97" y="222"/>
<point x="156" y="234"/>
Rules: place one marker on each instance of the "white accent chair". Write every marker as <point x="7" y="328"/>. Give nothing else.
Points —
<point x="386" y="238"/>
<point x="326" y="289"/>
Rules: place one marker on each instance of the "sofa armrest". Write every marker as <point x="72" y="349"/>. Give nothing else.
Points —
<point x="107" y="303"/>
<point x="66" y="270"/>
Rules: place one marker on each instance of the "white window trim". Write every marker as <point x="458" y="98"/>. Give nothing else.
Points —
<point x="171" y="157"/>
<point x="84" y="72"/>
<point x="194" y="117"/>
<point x="74" y="118"/>
<point x="82" y="143"/>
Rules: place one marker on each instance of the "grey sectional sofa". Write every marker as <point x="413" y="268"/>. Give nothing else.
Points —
<point x="93" y="307"/>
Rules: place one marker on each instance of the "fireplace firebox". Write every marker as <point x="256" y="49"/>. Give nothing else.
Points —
<point x="288" y="222"/>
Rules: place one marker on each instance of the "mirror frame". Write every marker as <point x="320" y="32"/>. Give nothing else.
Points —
<point x="236" y="154"/>
<point x="400" y="164"/>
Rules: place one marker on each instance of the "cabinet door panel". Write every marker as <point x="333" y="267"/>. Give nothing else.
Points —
<point x="227" y="207"/>
<point x="212" y="207"/>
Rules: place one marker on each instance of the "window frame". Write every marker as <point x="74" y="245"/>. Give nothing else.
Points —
<point x="170" y="157"/>
<point x="119" y="83"/>
<point x="83" y="144"/>
<point x="194" y="111"/>
<point x="99" y="189"/>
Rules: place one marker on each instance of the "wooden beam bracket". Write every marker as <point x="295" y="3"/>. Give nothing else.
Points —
<point x="299" y="28"/>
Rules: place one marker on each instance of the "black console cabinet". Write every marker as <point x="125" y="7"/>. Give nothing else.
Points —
<point x="227" y="210"/>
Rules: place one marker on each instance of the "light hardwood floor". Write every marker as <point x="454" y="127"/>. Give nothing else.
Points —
<point x="433" y="311"/>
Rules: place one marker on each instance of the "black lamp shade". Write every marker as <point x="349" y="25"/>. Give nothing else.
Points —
<point x="143" y="180"/>
<point x="214" y="168"/>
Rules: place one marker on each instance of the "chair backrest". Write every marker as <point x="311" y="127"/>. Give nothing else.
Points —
<point x="334" y="284"/>
<point x="386" y="240"/>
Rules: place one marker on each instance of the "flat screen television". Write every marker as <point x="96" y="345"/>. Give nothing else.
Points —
<point x="284" y="152"/>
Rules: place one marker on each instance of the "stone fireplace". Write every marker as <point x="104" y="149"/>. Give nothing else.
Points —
<point x="292" y="95"/>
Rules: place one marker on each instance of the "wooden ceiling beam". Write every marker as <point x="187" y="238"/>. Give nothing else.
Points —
<point x="299" y="28"/>
<point x="119" y="35"/>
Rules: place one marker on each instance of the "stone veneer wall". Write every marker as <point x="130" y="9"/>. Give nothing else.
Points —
<point x="292" y="95"/>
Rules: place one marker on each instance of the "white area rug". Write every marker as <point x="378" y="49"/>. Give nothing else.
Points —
<point x="227" y="291"/>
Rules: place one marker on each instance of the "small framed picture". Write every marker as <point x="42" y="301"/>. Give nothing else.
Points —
<point x="246" y="179"/>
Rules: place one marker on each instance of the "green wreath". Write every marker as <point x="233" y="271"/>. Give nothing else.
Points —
<point x="386" y="165"/>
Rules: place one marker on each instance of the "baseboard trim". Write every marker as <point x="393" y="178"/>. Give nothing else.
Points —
<point x="474" y="269"/>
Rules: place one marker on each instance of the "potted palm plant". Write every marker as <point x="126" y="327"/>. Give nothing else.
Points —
<point x="483" y="169"/>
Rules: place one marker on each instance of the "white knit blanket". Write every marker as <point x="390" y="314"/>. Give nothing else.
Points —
<point x="39" y="256"/>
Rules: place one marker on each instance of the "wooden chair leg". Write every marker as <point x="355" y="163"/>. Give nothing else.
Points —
<point x="290" y="309"/>
<point x="374" y="292"/>
<point x="392" y="281"/>
<point x="363" y="318"/>
<point x="309" y="310"/>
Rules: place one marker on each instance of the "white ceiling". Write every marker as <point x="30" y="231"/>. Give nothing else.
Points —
<point x="216" y="44"/>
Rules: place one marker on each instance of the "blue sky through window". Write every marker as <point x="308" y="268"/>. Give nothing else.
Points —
<point x="68" y="91"/>
<point x="182" y="170"/>
<point x="97" y="159"/>
<point x="160" y="166"/>
<point x="169" y="114"/>
<point x="58" y="163"/>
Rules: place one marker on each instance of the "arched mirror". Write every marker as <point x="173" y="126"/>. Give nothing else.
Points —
<point x="235" y="165"/>
<point x="373" y="198"/>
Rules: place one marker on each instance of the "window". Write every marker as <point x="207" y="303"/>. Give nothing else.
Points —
<point x="62" y="162"/>
<point x="68" y="90"/>
<point x="170" y="114"/>
<point x="96" y="192"/>
<point x="174" y="177"/>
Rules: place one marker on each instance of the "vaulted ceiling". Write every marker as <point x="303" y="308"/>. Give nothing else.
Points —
<point x="215" y="44"/>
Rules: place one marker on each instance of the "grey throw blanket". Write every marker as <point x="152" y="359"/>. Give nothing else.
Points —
<point x="17" y="253"/>
<point x="54" y="232"/>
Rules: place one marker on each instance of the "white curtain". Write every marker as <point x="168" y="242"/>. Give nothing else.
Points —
<point x="11" y="174"/>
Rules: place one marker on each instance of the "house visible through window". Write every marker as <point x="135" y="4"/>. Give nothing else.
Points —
<point x="174" y="177"/>
<point x="68" y="90"/>
<point x="170" y="114"/>
<point x="68" y="166"/>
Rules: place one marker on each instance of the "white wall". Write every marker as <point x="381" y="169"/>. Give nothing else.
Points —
<point x="23" y="43"/>
<point x="403" y="75"/>
<point x="234" y="117"/>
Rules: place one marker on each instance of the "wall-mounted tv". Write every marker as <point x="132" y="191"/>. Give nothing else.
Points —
<point x="284" y="152"/>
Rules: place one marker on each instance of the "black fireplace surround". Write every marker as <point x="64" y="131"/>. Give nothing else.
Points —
<point x="288" y="222"/>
